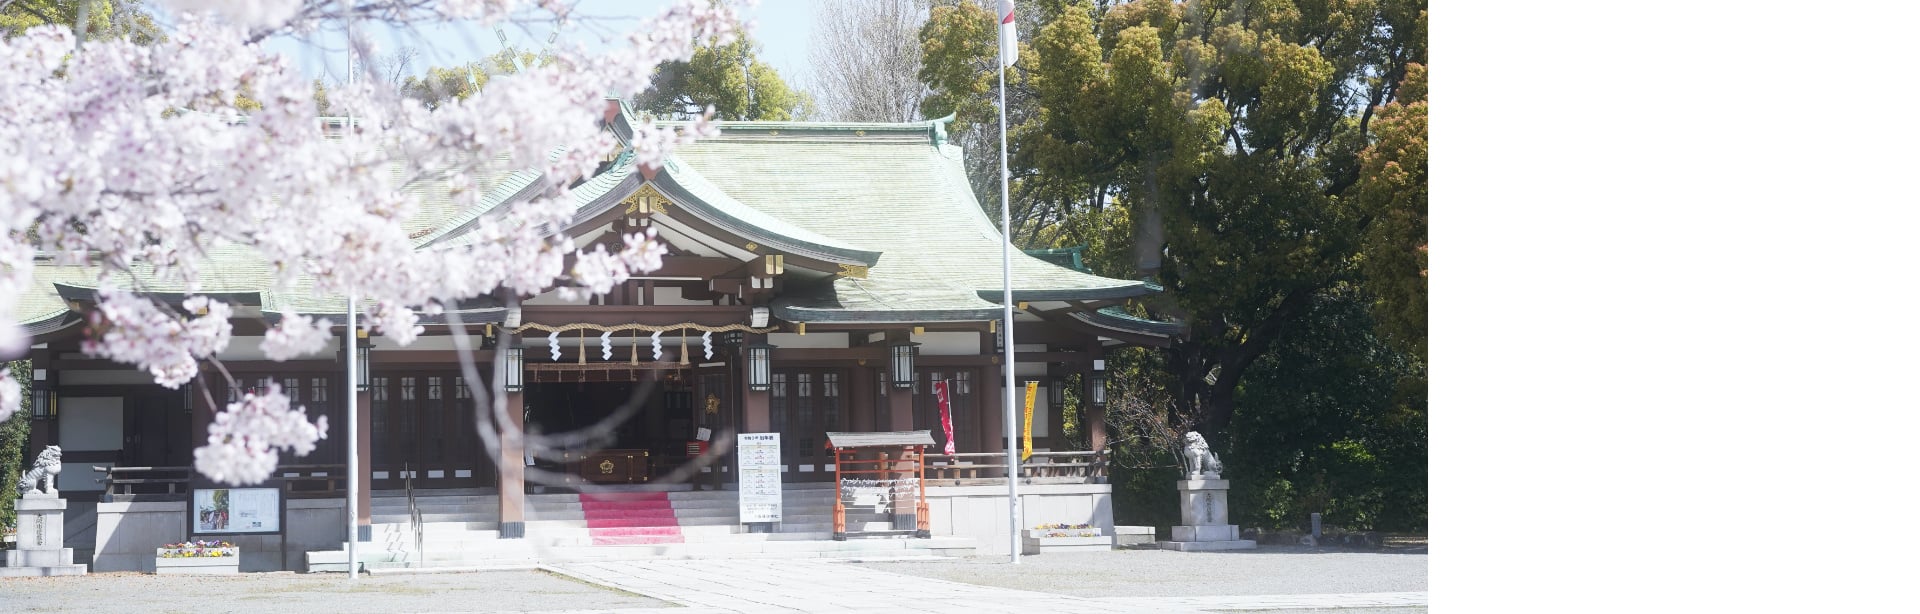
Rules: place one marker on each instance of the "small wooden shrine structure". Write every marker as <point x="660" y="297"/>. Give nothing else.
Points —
<point x="881" y="464"/>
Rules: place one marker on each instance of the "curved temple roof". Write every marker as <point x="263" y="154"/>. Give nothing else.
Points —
<point x="889" y="204"/>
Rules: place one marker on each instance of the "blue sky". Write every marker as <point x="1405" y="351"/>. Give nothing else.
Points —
<point x="783" y="28"/>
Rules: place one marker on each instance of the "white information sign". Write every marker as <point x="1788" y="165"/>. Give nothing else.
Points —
<point x="236" y="510"/>
<point x="759" y="477"/>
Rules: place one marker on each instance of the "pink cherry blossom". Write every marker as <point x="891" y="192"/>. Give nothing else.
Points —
<point x="136" y="161"/>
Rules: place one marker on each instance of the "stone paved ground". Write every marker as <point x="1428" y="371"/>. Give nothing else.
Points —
<point x="820" y="586"/>
<point x="291" y="593"/>
<point x="1269" y="580"/>
<point x="1268" y="570"/>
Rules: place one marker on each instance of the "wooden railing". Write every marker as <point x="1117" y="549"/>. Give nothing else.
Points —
<point x="171" y="483"/>
<point x="1083" y="467"/>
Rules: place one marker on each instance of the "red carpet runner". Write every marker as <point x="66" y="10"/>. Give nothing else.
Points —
<point x="631" y="519"/>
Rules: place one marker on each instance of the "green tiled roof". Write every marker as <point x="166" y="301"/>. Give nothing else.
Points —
<point x="891" y="197"/>
<point x="889" y="188"/>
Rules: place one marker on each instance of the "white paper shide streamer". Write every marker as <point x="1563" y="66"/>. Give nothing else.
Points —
<point x="706" y="342"/>
<point x="553" y="342"/>
<point x="606" y="345"/>
<point x="656" y="345"/>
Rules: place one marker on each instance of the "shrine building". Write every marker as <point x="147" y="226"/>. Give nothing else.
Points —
<point x="820" y="278"/>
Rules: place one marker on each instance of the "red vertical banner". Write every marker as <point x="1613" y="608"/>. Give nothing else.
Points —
<point x="946" y="413"/>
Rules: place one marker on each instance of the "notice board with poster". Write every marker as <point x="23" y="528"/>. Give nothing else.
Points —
<point x="759" y="477"/>
<point x="237" y="511"/>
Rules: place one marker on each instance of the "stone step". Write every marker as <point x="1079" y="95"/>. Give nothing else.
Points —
<point x="489" y="498"/>
<point x="438" y="506"/>
<point x="746" y="546"/>
<point x="427" y="518"/>
<point x="436" y="492"/>
<point x="439" y="526"/>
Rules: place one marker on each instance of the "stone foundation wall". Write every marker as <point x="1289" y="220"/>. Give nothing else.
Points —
<point x="128" y="533"/>
<point x="980" y="512"/>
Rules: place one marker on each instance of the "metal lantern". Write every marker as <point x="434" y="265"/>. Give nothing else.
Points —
<point x="903" y="363"/>
<point x="366" y="365"/>
<point x="516" y="361"/>
<point x="760" y="366"/>
<point x="1098" y="383"/>
<point x="46" y="404"/>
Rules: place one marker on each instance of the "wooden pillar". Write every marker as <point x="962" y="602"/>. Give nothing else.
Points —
<point x="1096" y="414"/>
<point x="364" y="450"/>
<point x="202" y="409"/>
<point x="513" y="472"/>
<point x="859" y="396"/>
<point x="991" y="399"/>
<point x="899" y="400"/>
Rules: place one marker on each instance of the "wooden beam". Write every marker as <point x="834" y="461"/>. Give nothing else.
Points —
<point x="614" y="315"/>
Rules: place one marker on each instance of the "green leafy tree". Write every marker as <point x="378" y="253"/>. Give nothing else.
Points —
<point x="105" y="18"/>
<point x="732" y="79"/>
<point x="1392" y="193"/>
<point x="1231" y="132"/>
<point x="13" y="443"/>
<point x="441" y="84"/>
<point x="1238" y="141"/>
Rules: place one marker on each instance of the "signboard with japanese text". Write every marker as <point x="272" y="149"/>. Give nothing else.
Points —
<point x="759" y="477"/>
<point x="236" y="511"/>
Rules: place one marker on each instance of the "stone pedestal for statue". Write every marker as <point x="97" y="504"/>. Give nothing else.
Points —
<point x="1203" y="507"/>
<point x="40" y="551"/>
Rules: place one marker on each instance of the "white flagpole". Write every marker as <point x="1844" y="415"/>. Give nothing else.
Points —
<point x="353" y="381"/>
<point x="353" y="434"/>
<point x="1006" y="299"/>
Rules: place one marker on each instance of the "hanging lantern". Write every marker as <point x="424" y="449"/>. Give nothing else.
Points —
<point x="760" y="366"/>
<point x="516" y="361"/>
<point x="1098" y="386"/>
<point x="366" y="365"/>
<point x="46" y="404"/>
<point x="903" y="363"/>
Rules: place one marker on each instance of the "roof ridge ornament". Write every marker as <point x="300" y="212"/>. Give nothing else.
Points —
<point x="939" y="127"/>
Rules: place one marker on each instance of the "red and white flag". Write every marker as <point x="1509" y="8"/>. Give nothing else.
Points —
<point x="1009" y="39"/>
<point x="946" y="412"/>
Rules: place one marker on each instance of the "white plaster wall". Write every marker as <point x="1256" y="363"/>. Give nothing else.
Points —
<point x="811" y="340"/>
<point x="948" y="343"/>
<point x="248" y="348"/>
<point x="89" y="377"/>
<point x="90" y="423"/>
<point x="674" y="295"/>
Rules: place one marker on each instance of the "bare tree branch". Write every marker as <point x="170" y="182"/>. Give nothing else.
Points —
<point x="866" y="60"/>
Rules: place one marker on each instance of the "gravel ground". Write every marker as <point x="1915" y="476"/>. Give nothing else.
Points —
<point x="1409" y="610"/>
<point x="1268" y="570"/>
<point x="291" y="593"/>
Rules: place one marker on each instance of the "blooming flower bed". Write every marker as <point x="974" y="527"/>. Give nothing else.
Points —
<point x="197" y="557"/>
<point x="197" y="549"/>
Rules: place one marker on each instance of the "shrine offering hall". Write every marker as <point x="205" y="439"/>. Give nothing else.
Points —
<point x="779" y="382"/>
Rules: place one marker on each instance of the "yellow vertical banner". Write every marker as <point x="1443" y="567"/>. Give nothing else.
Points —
<point x="1026" y="440"/>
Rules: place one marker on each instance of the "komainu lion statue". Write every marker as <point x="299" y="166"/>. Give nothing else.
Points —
<point x="44" y="469"/>
<point x="1201" y="462"/>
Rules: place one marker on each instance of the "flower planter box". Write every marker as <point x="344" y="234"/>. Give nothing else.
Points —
<point x="227" y="563"/>
<point x="1042" y="541"/>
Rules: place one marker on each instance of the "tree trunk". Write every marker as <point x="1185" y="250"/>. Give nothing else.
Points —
<point x="1149" y="228"/>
